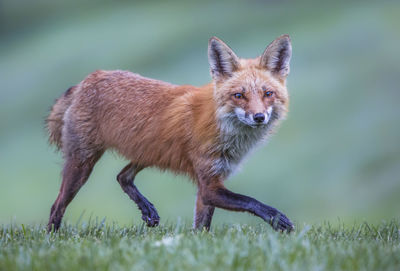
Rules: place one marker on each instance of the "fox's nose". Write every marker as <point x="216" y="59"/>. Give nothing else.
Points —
<point x="259" y="117"/>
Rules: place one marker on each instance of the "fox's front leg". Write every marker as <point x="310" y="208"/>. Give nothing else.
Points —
<point x="213" y="193"/>
<point x="202" y="214"/>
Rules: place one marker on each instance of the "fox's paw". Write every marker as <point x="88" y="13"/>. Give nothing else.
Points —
<point x="279" y="221"/>
<point x="150" y="216"/>
<point x="151" y="221"/>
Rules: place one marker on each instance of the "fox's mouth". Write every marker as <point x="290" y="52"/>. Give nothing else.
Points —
<point x="253" y="124"/>
<point x="257" y="125"/>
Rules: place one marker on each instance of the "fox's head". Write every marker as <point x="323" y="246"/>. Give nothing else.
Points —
<point x="251" y="91"/>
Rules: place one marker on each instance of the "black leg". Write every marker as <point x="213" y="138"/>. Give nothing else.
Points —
<point x="221" y="197"/>
<point x="126" y="178"/>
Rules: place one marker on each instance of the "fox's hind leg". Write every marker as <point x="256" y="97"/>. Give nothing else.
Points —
<point x="75" y="175"/>
<point x="81" y="150"/>
<point x="126" y="178"/>
<point x="202" y="214"/>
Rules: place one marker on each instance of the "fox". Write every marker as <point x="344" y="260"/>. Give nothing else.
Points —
<point x="201" y="132"/>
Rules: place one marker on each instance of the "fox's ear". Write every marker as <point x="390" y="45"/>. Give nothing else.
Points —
<point x="276" y="58"/>
<point x="223" y="61"/>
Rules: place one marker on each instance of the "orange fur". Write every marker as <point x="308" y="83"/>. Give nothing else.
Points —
<point x="187" y="129"/>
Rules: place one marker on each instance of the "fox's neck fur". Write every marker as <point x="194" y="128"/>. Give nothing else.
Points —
<point x="236" y="140"/>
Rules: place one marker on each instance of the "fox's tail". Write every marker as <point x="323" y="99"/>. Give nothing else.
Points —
<point x="54" y="121"/>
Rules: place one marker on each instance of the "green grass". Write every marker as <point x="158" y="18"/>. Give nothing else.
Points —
<point x="98" y="246"/>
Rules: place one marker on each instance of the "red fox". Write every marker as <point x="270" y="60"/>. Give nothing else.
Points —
<point x="202" y="132"/>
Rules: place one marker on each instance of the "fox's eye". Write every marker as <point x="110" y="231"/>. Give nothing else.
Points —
<point x="238" y="95"/>
<point x="268" y="93"/>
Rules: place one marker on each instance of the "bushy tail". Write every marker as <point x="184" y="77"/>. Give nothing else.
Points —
<point x="54" y="121"/>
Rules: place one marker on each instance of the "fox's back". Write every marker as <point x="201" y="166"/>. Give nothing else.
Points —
<point x="121" y="100"/>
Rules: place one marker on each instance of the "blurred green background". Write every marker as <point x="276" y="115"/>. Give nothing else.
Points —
<point x="336" y="156"/>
